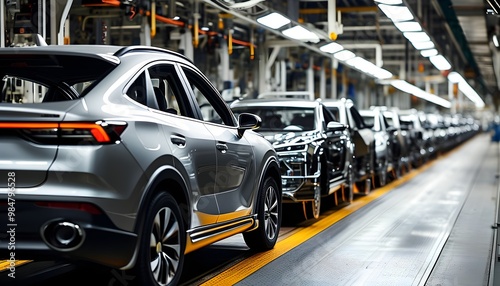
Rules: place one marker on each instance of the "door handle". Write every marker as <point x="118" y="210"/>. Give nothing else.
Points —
<point x="221" y="147"/>
<point x="178" y="140"/>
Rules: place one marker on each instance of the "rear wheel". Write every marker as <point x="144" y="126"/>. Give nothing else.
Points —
<point x="161" y="249"/>
<point x="269" y="216"/>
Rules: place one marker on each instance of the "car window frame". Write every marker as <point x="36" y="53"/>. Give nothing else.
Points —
<point x="220" y="105"/>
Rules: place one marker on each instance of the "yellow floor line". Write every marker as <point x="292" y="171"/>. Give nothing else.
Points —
<point x="245" y="268"/>
<point x="5" y="264"/>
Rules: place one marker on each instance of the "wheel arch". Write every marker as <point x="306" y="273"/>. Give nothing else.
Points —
<point x="272" y="168"/>
<point x="165" y="179"/>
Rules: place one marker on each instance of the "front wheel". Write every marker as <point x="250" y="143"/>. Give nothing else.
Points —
<point x="162" y="244"/>
<point x="348" y="188"/>
<point x="269" y="216"/>
<point x="312" y="209"/>
<point x="382" y="174"/>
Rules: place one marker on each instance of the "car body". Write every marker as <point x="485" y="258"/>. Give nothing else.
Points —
<point x="116" y="163"/>
<point x="363" y="139"/>
<point x="315" y="151"/>
<point x="420" y="149"/>
<point x="400" y="141"/>
<point x="375" y="119"/>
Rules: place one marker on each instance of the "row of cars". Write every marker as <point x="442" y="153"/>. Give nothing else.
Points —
<point x="129" y="158"/>
<point x="329" y="147"/>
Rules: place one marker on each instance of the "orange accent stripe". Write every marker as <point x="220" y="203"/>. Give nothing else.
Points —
<point x="169" y="21"/>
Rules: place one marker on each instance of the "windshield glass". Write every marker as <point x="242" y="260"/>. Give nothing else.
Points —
<point x="281" y="118"/>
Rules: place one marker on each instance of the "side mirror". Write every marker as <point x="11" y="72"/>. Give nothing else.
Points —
<point x="248" y="121"/>
<point x="336" y="126"/>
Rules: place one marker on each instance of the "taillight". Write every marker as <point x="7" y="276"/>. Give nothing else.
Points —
<point x="69" y="133"/>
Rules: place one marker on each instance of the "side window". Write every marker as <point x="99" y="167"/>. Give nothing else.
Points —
<point x="159" y="88"/>
<point x="213" y="108"/>
<point x="137" y="91"/>
<point x="167" y="91"/>
<point x="358" y="120"/>
<point x="328" y="116"/>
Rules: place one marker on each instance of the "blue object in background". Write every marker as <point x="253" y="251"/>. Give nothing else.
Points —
<point x="496" y="133"/>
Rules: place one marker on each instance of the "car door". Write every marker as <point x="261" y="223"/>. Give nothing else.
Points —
<point x="236" y="171"/>
<point x="336" y="143"/>
<point x="192" y="145"/>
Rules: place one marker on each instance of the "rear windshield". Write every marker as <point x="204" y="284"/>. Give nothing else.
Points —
<point x="48" y="78"/>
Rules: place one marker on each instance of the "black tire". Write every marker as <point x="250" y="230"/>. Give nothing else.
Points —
<point x="349" y="186"/>
<point x="382" y="174"/>
<point x="397" y="170"/>
<point x="312" y="209"/>
<point x="163" y="226"/>
<point x="269" y="215"/>
<point x="365" y="186"/>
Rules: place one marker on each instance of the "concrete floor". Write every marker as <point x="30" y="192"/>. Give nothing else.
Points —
<point x="435" y="229"/>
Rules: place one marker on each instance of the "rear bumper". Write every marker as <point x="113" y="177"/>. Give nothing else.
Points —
<point x="32" y="233"/>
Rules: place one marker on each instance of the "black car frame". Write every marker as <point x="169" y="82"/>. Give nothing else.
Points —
<point x="363" y="140"/>
<point x="315" y="151"/>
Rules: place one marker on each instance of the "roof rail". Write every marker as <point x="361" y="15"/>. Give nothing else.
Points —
<point x="287" y="94"/>
<point x="39" y="40"/>
<point x="139" y="48"/>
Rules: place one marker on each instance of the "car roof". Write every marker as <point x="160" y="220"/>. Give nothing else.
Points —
<point x="74" y="63"/>
<point x="276" y="102"/>
<point x="110" y="53"/>
<point x="336" y="102"/>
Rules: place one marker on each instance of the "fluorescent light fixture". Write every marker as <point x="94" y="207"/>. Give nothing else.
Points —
<point x="369" y="68"/>
<point x="390" y="2"/>
<point x="428" y="53"/>
<point x="466" y="89"/>
<point x="396" y="13"/>
<point x="204" y="28"/>
<point x="274" y="20"/>
<point x="404" y="86"/>
<point x="176" y="18"/>
<point x="344" y="55"/>
<point x="414" y="37"/>
<point x="440" y="62"/>
<point x="495" y="41"/>
<point x="410" y="26"/>
<point x="360" y="64"/>
<point x="455" y="77"/>
<point x="383" y="74"/>
<point x="302" y="34"/>
<point x="331" y="48"/>
<point x="423" y="45"/>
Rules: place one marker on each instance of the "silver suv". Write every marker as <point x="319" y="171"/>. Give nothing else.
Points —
<point x="127" y="157"/>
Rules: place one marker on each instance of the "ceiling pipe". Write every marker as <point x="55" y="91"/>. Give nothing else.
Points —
<point x="334" y="18"/>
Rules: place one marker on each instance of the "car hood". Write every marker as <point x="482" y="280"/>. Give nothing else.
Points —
<point x="290" y="138"/>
